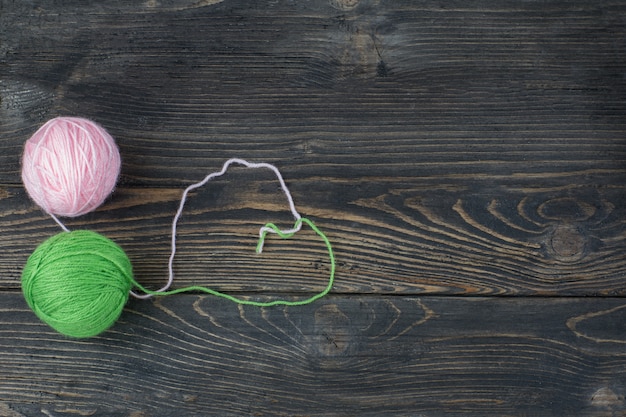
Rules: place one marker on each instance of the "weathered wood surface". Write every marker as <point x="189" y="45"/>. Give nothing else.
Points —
<point x="447" y="149"/>
<point x="356" y="356"/>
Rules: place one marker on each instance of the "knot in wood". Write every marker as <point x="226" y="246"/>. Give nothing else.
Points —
<point x="567" y="243"/>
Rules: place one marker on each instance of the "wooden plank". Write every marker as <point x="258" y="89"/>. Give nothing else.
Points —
<point x="377" y="91"/>
<point x="429" y="356"/>
<point x="402" y="241"/>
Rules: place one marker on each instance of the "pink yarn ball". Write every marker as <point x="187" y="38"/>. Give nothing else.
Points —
<point x="70" y="166"/>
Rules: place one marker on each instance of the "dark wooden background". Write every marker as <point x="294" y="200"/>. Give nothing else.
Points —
<point x="466" y="159"/>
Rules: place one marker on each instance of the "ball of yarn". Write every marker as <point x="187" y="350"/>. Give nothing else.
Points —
<point x="77" y="282"/>
<point x="70" y="166"/>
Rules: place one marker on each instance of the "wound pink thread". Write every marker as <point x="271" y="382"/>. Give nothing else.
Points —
<point x="70" y="166"/>
<point x="262" y="231"/>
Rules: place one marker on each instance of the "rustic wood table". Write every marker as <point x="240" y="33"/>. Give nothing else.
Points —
<point x="467" y="160"/>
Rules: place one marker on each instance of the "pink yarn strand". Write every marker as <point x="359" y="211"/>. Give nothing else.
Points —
<point x="263" y="230"/>
<point x="56" y="219"/>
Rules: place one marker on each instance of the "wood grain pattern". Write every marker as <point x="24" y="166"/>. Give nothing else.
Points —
<point x="402" y="241"/>
<point x="195" y="355"/>
<point x="544" y="96"/>
<point x="467" y="161"/>
<point x="567" y="241"/>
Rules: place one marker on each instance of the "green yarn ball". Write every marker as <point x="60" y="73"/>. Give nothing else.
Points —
<point x="77" y="282"/>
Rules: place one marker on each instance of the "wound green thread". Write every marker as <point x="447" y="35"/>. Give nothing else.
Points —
<point x="237" y="300"/>
<point x="77" y="282"/>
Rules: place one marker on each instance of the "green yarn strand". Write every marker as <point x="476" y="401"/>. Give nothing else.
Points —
<point x="79" y="282"/>
<point x="326" y="290"/>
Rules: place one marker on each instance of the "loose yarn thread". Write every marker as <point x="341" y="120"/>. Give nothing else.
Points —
<point x="79" y="281"/>
<point x="267" y="228"/>
<point x="263" y="231"/>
